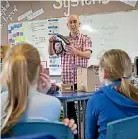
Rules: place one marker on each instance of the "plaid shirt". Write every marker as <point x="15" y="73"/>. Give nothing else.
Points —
<point x="70" y="62"/>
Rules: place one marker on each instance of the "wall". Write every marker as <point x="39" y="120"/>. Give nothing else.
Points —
<point x="17" y="8"/>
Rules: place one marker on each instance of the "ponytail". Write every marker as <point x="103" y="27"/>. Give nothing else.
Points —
<point x="17" y="84"/>
<point x="129" y="90"/>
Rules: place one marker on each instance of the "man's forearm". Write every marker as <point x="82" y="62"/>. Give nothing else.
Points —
<point x="50" y="49"/>
<point x="84" y="54"/>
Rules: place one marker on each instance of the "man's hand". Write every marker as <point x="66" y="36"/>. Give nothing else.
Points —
<point x="72" y="50"/>
<point x="50" y="48"/>
<point x="51" y="39"/>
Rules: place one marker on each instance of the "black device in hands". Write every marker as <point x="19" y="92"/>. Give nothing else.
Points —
<point x="60" y="43"/>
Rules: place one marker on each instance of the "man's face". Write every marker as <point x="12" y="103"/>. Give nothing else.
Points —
<point x="73" y="23"/>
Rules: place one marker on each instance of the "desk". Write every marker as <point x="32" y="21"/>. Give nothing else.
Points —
<point x="80" y="97"/>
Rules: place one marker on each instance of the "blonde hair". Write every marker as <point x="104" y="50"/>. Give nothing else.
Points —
<point x="118" y="65"/>
<point x="21" y="66"/>
<point x="4" y="50"/>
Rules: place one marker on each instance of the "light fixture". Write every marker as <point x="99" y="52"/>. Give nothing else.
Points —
<point x="88" y="28"/>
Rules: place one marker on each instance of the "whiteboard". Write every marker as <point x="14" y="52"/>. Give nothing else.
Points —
<point x="37" y="33"/>
<point x="111" y="30"/>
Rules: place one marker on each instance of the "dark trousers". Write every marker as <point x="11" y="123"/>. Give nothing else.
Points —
<point x="71" y="111"/>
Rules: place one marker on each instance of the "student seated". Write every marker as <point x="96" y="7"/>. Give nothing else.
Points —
<point x="24" y="79"/>
<point x="117" y="99"/>
<point x="136" y="67"/>
<point x="135" y="77"/>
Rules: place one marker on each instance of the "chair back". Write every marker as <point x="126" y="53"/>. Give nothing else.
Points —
<point x="126" y="128"/>
<point x="33" y="136"/>
<point x="58" y="130"/>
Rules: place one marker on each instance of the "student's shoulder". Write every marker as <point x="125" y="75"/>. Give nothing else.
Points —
<point x="4" y="95"/>
<point x="47" y="99"/>
<point x="98" y="93"/>
<point x="97" y="96"/>
<point x="95" y="103"/>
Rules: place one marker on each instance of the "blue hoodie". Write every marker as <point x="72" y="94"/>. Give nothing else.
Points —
<point x="104" y="106"/>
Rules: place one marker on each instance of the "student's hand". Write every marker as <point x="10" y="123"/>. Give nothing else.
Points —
<point x="71" y="124"/>
<point x="44" y="81"/>
<point x="51" y="39"/>
<point x="72" y="50"/>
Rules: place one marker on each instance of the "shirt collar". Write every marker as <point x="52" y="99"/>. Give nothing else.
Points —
<point x="77" y="35"/>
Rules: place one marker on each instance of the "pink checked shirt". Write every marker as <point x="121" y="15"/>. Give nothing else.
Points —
<point x="69" y="62"/>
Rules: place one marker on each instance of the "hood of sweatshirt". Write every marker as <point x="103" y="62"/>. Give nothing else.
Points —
<point x="124" y="103"/>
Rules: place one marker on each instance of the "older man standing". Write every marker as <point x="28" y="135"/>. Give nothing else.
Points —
<point x="78" y="53"/>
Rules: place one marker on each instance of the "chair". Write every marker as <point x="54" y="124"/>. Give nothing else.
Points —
<point x="58" y="130"/>
<point x="126" y="128"/>
<point x="34" y="136"/>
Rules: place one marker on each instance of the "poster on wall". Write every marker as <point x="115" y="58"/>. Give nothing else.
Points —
<point x="54" y="61"/>
<point x="16" y="34"/>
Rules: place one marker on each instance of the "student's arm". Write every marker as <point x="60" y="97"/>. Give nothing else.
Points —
<point x="91" y="120"/>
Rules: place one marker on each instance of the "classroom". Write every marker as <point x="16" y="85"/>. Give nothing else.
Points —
<point x="69" y="69"/>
